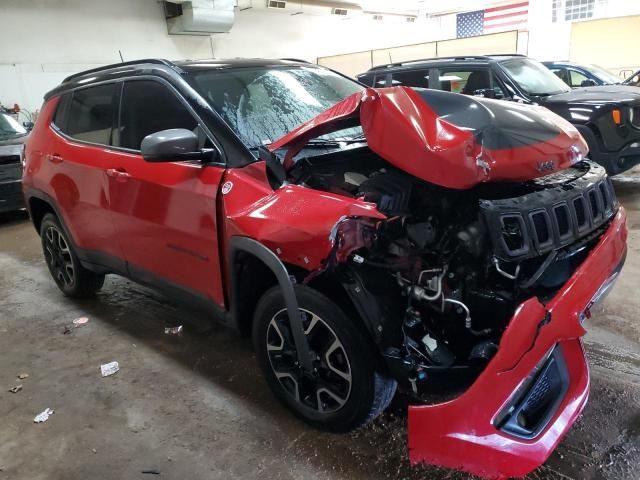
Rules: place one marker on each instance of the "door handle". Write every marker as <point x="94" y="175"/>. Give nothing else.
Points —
<point x="55" y="158"/>
<point x="118" y="174"/>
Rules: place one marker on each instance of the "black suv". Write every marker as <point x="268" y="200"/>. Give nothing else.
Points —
<point x="608" y="118"/>
<point x="12" y="136"/>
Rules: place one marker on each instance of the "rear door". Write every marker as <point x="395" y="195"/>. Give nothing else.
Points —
<point x="165" y="213"/>
<point x="410" y="78"/>
<point x="74" y="168"/>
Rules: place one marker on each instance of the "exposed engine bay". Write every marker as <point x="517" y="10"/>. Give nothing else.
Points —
<point x="444" y="273"/>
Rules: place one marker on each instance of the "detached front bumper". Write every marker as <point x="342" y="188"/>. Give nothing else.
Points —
<point x="519" y="408"/>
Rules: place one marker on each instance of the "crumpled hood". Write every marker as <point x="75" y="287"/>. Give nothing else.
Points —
<point x="452" y="140"/>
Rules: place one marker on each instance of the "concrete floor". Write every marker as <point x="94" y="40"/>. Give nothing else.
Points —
<point x="196" y="406"/>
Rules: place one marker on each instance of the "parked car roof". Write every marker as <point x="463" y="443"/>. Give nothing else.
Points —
<point x="161" y="65"/>
<point x="435" y="60"/>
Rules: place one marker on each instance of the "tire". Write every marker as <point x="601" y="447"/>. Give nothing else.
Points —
<point x="64" y="266"/>
<point x="345" y="391"/>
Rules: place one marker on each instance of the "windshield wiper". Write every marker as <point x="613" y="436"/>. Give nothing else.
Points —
<point x="322" y="143"/>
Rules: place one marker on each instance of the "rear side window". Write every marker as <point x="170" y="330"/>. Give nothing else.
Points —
<point x="416" y="78"/>
<point x="562" y="74"/>
<point x="90" y="114"/>
<point x="149" y="107"/>
<point x="62" y="109"/>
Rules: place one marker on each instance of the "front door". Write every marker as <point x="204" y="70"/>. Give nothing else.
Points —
<point x="164" y="213"/>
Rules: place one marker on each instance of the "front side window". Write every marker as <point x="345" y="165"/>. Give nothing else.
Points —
<point x="473" y="81"/>
<point x="149" y="107"/>
<point x="263" y="104"/>
<point x="533" y="77"/>
<point x="89" y="117"/>
<point x="577" y="78"/>
<point x="604" y="75"/>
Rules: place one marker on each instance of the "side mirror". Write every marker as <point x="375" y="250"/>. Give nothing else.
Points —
<point x="276" y="173"/>
<point x="175" y="145"/>
<point x="28" y="126"/>
<point x="485" y="92"/>
<point x="588" y="83"/>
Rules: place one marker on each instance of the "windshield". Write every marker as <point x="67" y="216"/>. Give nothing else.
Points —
<point x="533" y="77"/>
<point x="261" y="105"/>
<point x="10" y="128"/>
<point x="604" y="75"/>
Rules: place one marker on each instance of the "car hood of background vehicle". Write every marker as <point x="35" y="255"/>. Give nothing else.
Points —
<point x="605" y="94"/>
<point x="452" y="140"/>
<point x="13" y="141"/>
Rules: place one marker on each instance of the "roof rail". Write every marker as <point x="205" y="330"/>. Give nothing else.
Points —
<point x="420" y="60"/>
<point x="299" y="60"/>
<point x="157" y="61"/>
<point x="506" y="55"/>
<point x="455" y="57"/>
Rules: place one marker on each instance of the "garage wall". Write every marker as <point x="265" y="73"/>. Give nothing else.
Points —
<point x="354" y="63"/>
<point x="43" y="41"/>
<point x="611" y="43"/>
<point x="267" y="33"/>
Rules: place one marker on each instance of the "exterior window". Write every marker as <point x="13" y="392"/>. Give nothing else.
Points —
<point x="577" y="78"/>
<point x="62" y="110"/>
<point x="416" y="78"/>
<point x="380" y="81"/>
<point x="578" y="9"/>
<point x="562" y="74"/>
<point x="468" y="81"/>
<point x="569" y="10"/>
<point x="556" y="5"/>
<point x="261" y="105"/>
<point x="90" y="114"/>
<point x="149" y="107"/>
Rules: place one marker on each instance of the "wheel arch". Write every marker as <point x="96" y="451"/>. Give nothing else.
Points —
<point x="255" y="269"/>
<point x="38" y="208"/>
<point x="249" y="258"/>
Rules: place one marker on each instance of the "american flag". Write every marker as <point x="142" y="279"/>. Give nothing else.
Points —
<point x="511" y="16"/>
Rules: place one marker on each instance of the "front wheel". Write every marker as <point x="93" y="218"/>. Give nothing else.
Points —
<point x="343" y="391"/>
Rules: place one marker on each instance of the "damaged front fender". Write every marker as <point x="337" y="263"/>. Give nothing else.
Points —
<point x="299" y="224"/>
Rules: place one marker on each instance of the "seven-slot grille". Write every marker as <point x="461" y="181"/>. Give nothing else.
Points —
<point x="536" y="223"/>
<point x="635" y="117"/>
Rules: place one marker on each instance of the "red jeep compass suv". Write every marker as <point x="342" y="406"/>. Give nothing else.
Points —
<point x="368" y="239"/>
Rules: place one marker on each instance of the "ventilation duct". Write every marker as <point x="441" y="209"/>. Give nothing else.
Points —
<point x="199" y="17"/>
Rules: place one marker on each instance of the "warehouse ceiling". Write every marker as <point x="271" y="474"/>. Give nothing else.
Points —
<point x="394" y="7"/>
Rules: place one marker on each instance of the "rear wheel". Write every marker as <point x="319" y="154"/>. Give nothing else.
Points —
<point x="343" y="391"/>
<point x="71" y="277"/>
